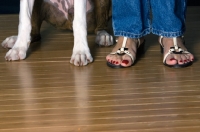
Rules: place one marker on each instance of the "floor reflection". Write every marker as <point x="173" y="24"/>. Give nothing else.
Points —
<point x="24" y="79"/>
<point x="82" y="80"/>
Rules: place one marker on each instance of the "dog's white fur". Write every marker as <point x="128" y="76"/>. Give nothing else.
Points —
<point x="81" y="53"/>
<point x="21" y="45"/>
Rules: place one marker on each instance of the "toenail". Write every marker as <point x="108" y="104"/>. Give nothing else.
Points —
<point x="181" y="61"/>
<point x="125" y="62"/>
<point x="172" y="59"/>
<point x="185" y="60"/>
<point x="113" y="62"/>
<point x="117" y="62"/>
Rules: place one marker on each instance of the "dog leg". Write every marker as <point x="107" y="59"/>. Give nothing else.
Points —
<point x="102" y="8"/>
<point x="36" y="20"/>
<point x="22" y="41"/>
<point x="81" y="53"/>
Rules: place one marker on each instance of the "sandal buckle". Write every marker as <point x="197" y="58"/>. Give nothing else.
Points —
<point x="176" y="51"/>
<point x="122" y="51"/>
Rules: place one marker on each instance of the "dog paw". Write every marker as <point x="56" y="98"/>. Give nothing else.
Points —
<point x="16" y="54"/>
<point x="104" y="39"/>
<point x="81" y="58"/>
<point x="9" y="42"/>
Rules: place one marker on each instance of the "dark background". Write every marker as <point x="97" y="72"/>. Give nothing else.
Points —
<point x="12" y="6"/>
<point x="9" y="6"/>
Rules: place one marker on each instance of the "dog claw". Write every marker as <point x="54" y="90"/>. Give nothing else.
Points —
<point x="81" y="59"/>
<point x="104" y="39"/>
<point x="16" y="54"/>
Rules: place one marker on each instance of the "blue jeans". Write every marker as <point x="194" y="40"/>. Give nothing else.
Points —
<point x="137" y="18"/>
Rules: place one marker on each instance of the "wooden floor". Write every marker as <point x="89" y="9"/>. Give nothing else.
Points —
<point x="46" y="93"/>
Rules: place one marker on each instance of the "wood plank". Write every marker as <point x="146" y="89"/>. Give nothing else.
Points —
<point x="45" y="92"/>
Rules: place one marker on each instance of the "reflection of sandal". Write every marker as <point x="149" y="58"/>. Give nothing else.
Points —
<point x="123" y="50"/>
<point x="174" y="50"/>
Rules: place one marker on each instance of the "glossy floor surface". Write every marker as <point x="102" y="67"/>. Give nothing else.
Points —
<point x="46" y="93"/>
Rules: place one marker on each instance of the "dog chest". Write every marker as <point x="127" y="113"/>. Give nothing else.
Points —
<point x="66" y="7"/>
<point x="60" y="13"/>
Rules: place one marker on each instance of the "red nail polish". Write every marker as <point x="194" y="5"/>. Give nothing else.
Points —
<point x="181" y="61"/>
<point x="172" y="59"/>
<point x="113" y="62"/>
<point x="125" y="62"/>
<point x="117" y="62"/>
<point x="185" y="60"/>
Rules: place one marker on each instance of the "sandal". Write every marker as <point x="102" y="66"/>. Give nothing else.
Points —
<point x="174" y="50"/>
<point x="123" y="50"/>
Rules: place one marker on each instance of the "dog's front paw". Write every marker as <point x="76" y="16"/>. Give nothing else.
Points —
<point x="81" y="58"/>
<point x="103" y="38"/>
<point x="16" y="54"/>
<point x="9" y="42"/>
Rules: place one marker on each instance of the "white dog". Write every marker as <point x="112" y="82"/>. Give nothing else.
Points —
<point x="81" y="53"/>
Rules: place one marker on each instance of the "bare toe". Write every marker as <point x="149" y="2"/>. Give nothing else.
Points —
<point x="124" y="53"/>
<point x="113" y="59"/>
<point x="175" y="52"/>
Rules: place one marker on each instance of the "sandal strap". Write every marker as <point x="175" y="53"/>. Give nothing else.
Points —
<point x="173" y="50"/>
<point x="160" y="41"/>
<point x="175" y="44"/>
<point x="123" y="50"/>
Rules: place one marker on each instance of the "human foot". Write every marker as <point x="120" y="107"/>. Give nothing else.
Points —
<point x="124" y="53"/>
<point x="175" y="52"/>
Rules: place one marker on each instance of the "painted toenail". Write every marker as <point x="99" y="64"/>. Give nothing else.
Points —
<point x="172" y="59"/>
<point x="113" y="62"/>
<point x="125" y="62"/>
<point x="117" y="62"/>
<point x="181" y="61"/>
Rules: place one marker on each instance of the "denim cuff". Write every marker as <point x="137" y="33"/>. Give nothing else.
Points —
<point x="132" y="35"/>
<point x="168" y="34"/>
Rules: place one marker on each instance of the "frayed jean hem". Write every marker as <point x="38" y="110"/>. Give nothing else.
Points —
<point x="132" y="35"/>
<point x="148" y="31"/>
<point x="168" y="34"/>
